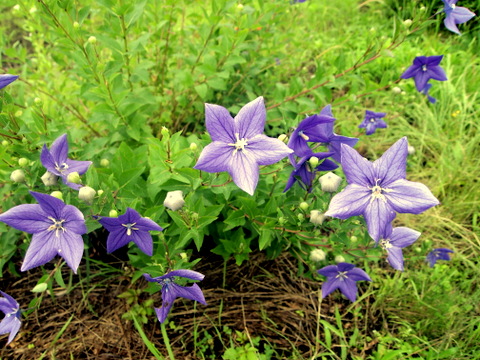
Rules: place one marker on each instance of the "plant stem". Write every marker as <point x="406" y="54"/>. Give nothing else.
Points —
<point x="166" y="341"/>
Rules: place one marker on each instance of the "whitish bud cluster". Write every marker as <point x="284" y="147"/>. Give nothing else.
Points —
<point x="49" y="179"/>
<point x="86" y="194"/>
<point x="17" y="176"/>
<point x="330" y="182"/>
<point x="316" y="217"/>
<point x="317" y="255"/>
<point x="174" y="200"/>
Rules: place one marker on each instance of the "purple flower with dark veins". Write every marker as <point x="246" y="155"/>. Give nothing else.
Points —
<point x="425" y="92"/>
<point x="6" y="79"/>
<point x="170" y="290"/>
<point x="438" y="254"/>
<point x="393" y="240"/>
<point x="378" y="190"/>
<point x="342" y="276"/>
<point x="10" y="324"/>
<point x="56" y="162"/>
<point x="57" y="230"/>
<point x="425" y="68"/>
<point x="130" y="227"/>
<point x="239" y="145"/>
<point x="455" y="15"/>
<point x="373" y="121"/>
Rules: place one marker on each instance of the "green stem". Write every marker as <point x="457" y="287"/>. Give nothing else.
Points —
<point x="166" y="341"/>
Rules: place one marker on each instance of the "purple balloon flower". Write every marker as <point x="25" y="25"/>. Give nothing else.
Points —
<point x="393" y="240"/>
<point x="239" y="145"/>
<point x="425" y="68"/>
<point x="438" y="254"/>
<point x="56" y="162"/>
<point x="10" y="324"/>
<point x="7" y="79"/>
<point x="372" y="121"/>
<point x="130" y="227"/>
<point x="378" y="190"/>
<point x="455" y="15"/>
<point x="342" y="276"/>
<point x="170" y="290"/>
<point x="57" y="230"/>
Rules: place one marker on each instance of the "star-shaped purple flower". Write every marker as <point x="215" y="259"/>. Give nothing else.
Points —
<point x="455" y="15"/>
<point x="425" y="68"/>
<point x="378" y="190"/>
<point x="55" y="160"/>
<point x="373" y="121"/>
<point x="438" y="254"/>
<point x="130" y="227"/>
<point x="7" y="79"/>
<point x="239" y="145"/>
<point x="170" y="290"/>
<point x="57" y="230"/>
<point x="393" y="240"/>
<point x="10" y="324"/>
<point x="342" y="276"/>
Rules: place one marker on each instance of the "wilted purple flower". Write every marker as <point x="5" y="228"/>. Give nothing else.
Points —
<point x="342" y="276"/>
<point x="425" y="68"/>
<point x="11" y="322"/>
<point x="304" y="173"/>
<point x="56" y="162"/>
<point x="130" y="227"/>
<point x="57" y="230"/>
<point x="239" y="145"/>
<point x="425" y="92"/>
<point x="377" y="190"/>
<point x="438" y="254"/>
<point x="393" y="240"/>
<point x="455" y="15"/>
<point x="6" y="79"/>
<point x="372" y="121"/>
<point x="170" y="290"/>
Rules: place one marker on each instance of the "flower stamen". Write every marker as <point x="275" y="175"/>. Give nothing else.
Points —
<point x="57" y="226"/>
<point x="130" y="227"/>
<point x="342" y="275"/>
<point x="240" y="144"/>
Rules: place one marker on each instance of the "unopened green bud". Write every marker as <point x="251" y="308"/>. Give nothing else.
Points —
<point x="339" y="259"/>
<point x="18" y="113"/>
<point x="283" y="137"/>
<point x="38" y="101"/>
<point x="313" y="161"/>
<point x="23" y="162"/>
<point x="104" y="162"/>
<point x="5" y="143"/>
<point x="74" y="177"/>
<point x="193" y="146"/>
<point x="422" y="8"/>
<point x="33" y="10"/>
<point x="240" y="7"/>
<point x="316" y="217"/>
<point x="330" y="182"/>
<point x="49" y="179"/>
<point x="353" y="239"/>
<point x="303" y="205"/>
<point x="113" y="213"/>
<point x="86" y="194"/>
<point x="301" y="217"/>
<point x="57" y="194"/>
<point x="281" y="220"/>
<point x="407" y="22"/>
<point x="17" y="176"/>
<point x="16" y="7"/>
<point x="317" y="255"/>
<point x="76" y="25"/>
<point x="100" y="192"/>
<point x="396" y="90"/>
<point x="183" y="256"/>
<point x="418" y="249"/>
<point x="164" y="131"/>
<point x="92" y="40"/>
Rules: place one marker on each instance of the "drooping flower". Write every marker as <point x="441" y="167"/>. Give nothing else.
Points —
<point x="57" y="230"/>
<point x="373" y="121"/>
<point x="425" y="68"/>
<point x="438" y="254"/>
<point x="56" y="162"/>
<point x="130" y="227"/>
<point x="425" y="92"/>
<point x="10" y="324"/>
<point x="378" y="190"/>
<point x="393" y="240"/>
<point x="170" y="290"/>
<point x="7" y="79"/>
<point x="455" y="15"/>
<point x="239" y="145"/>
<point x="342" y="276"/>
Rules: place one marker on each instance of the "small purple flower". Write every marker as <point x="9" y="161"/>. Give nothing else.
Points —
<point x="438" y="254"/>
<point x="378" y="190"/>
<point x="11" y="322"/>
<point x="239" y="145"/>
<point x="342" y="276"/>
<point x="7" y="79"/>
<point x="57" y="230"/>
<point x="373" y="121"/>
<point x="425" y="92"/>
<point x="130" y="227"/>
<point x="170" y="290"/>
<point x="455" y="15"/>
<point x="393" y="240"/>
<point x="425" y="68"/>
<point x="56" y="162"/>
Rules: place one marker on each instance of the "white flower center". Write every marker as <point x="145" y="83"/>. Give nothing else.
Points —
<point x="342" y="275"/>
<point x="61" y="168"/>
<point x="453" y="6"/>
<point x="385" y="244"/>
<point x="130" y="227"/>
<point x="304" y="137"/>
<point x="240" y="144"/>
<point x="378" y="192"/>
<point x="372" y="120"/>
<point x="424" y="68"/>
<point x="57" y="226"/>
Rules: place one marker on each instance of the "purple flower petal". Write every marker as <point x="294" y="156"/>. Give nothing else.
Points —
<point x="395" y="258"/>
<point x="244" y="171"/>
<point x="29" y="218"/>
<point x="49" y="204"/>
<point x="402" y="237"/>
<point x="215" y="157"/>
<point x="378" y="215"/>
<point x="7" y="79"/>
<point x="351" y="201"/>
<point x="357" y="169"/>
<point x="349" y="288"/>
<point x="392" y="165"/>
<point x="59" y="149"/>
<point x="43" y="248"/>
<point x="71" y="249"/>
<point x="410" y="197"/>
<point x="268" y="150"/>
<point x="219" y="123"/>
<point x="250" y="120"/>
